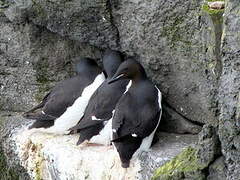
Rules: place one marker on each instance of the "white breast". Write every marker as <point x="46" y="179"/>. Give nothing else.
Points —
<point x="74" y="113"/>
<point x="104" y="137"/>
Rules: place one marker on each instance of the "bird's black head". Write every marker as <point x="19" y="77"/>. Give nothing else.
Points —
<point x="86" y="66"/>
<point x="111" y="61"/>
<point x="130" y="69"/>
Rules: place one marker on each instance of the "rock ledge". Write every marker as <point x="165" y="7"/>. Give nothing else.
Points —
<point x="46" y="156"/>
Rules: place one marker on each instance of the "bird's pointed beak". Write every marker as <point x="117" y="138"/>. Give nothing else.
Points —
<point x="115" y="78"/>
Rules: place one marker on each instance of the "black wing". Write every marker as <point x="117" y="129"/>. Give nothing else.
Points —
<point x="56" y="102"/>
<point x="140" y="123"/>
<point x="64" y="95"/>
<point x="40" y="105"/>
<point x="101" y="104"/>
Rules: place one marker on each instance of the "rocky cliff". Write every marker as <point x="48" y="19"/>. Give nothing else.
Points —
<point x="190" y="49"/>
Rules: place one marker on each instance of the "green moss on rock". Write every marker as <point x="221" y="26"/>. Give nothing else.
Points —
<point x="186" y="164"/>
<point x="6" y="173"/>
<point x="36" y="154"/>
<point x="174" y="32"/>
<point x="38" y="168"/>
<point x="42" y="91"/>
<point x="3" y="5"/>
<point x="41" y="68"/>
<point x="216" y="14"/>
<point x="212" y="11"/>
<point x="38" y="9"/>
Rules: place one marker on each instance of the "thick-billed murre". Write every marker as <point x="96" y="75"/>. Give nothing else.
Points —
<point x="137" y="114"/>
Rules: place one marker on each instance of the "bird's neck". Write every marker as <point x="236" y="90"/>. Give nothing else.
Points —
<point x="111" y="69"/>
<point x="90" y="74"/>
<point x="137" y="79"/>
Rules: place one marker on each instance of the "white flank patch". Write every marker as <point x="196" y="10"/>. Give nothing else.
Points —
<point x="147" y="141"/>
<point x="128" y="86"/>
<point x="95" y="119"/>
<point x="43" y="112"/>
<point x="105" y="135"/>
<point x="134" y="135"/>
<point x="113" y="111"/>
<point x="113" y="130"/>
<point x="74" y="113"/>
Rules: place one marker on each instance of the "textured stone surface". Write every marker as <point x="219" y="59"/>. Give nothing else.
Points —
<point x="173" y="122"/>
<point x="82" y="20"/>
<point x="7" y="126"/>
<point x="6" y="172"/>
<point x="47" y="156"/>
<point x="217" y="170"/>
<point x="180" y="44"/>
<point x="14" y="67"/>
<point x="185" y="165"/>
<point x="43" y="58"/>
<point x="193" y="163"/>
<point x="32" y="61"/>
<point x="175" y="41"/>
<point x="229" y="90"/>
<point x="208" y="145"/>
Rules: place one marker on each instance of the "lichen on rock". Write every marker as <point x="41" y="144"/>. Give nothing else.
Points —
<point x="193" y="162"/>
<point x="6" y="172"/>
<point x="216" y="14"/>
<point x="184" y="164"/>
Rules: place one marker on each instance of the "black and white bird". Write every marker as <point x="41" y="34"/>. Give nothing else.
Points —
<point x="96" y="124"/>
<point x="64" y="105"/>
<point x="137" y="114"/>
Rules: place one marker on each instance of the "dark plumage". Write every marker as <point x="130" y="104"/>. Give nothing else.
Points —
<point x="137" y="114"/>
<point x="102" y="102"/>
<point x="64" y="94"/>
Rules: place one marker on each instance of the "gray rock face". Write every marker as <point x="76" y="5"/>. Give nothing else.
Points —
<point x="82" y="20"/>
<point x="173" y="122"/>
<point x="229" y="90"/>
<point x="15" y="69"/>
<point x="175" y="44"/>
<point x="46" y="58"/>
<point x="208" y="145"/>
<point x="217" y="170"/>
<point x="32" y="61"/>
<point x="180" y="44"/>
<point x="7" y="124"/>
